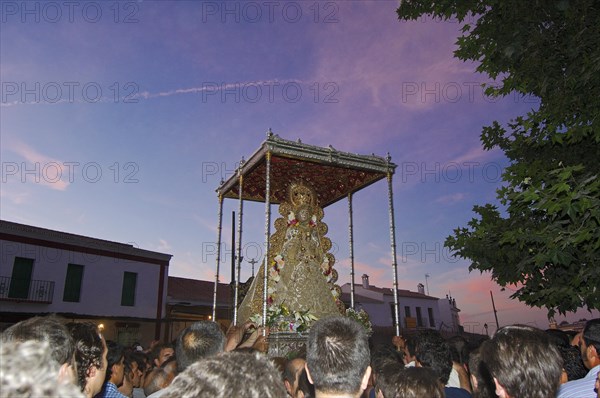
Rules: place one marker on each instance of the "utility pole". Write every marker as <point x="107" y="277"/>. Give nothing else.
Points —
<point x="495" y="312"/>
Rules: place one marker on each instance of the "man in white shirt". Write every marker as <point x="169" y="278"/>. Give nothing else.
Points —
<point x="589" y="344"/>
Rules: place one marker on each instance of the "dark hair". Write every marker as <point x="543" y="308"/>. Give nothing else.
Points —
<point x="200" y="340"/>
<point x="415" y="382"/>
<point x="410" y="342"/>
<point x="304" y="385"/>
<point x="572" y="362"/>
<point x="138" y="357"/>
<point x="383" y="354"/>
<point x="558" y="337"/>
<point x="89" y="349"/>
<point x="49" y="329"/>
<point x="591" y="334"/>
<point x="337" y="355"/>
<point x="459" y="349"/>
<point x="523" y="361"/>
<point x="113" y="356"/>
<point x="233" y="374"/>
<point x="386" y="376"/>
<point x="486" y="387"/>
<point x="155" y="353"/>
<point x="433" y="352"/>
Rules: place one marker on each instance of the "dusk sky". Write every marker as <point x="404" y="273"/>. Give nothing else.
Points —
<point x="119" y="119"/>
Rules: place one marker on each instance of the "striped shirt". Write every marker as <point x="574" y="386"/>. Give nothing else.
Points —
<point x="582" y="388"/>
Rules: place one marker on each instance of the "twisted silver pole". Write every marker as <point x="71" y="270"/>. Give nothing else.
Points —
<point x="239" y="246"/>
<point x="267" y="235"/>
<point x="393" y="244"/>
<point x="351" y="241"/>
<point x="219" y="229"/>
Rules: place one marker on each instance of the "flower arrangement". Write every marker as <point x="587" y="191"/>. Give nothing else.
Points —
<point x="361" y="317"/>
<point x="281" y="319"/>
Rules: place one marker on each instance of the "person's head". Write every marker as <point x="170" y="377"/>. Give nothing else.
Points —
<point x="410" y="346"/>
<point x="157" y="379"/>
<point x="161" y="353"/>
<point x="386" y="376"/>
<point x="115" y="369"/>
<point x="126" y="387"/>
<point x="558" y="337"/>
<point x="305" y="388"/>
<point x="481" y="381"/>
<point x="90" y="356"/>
<point x="415" y="382"/>
<point x="589" y="344"/>
<point x="384" y="356"/>
<point x="136" y="363"/>
<point x="459" y="349"/>
<point x="573" y="367"/>
<point x="48" y="329"/>
<point x="233" y="374"/>
<point x="200" y="340"/>
<point x="291" y="373"/>
<point x="522" y="362"/>
<point x="28" y="369"/>
<point x="337" y="356"/>
<point x="433" y="352"/>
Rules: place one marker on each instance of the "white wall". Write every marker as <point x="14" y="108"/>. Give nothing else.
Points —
<point x="101" y="284"/>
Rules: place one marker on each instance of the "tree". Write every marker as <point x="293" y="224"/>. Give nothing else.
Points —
<point x="546" y="241"/>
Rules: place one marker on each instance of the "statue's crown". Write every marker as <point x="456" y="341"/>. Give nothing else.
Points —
<point x="302" y="194"/>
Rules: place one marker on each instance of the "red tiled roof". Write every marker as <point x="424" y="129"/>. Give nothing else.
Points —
<point x="192" y="290"/>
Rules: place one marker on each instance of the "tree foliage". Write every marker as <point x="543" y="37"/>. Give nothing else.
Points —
<point x="547" y="242"/>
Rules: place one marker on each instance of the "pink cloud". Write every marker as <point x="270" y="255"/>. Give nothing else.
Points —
<point x="48" y="171"/>
<point x="453" y="198"/>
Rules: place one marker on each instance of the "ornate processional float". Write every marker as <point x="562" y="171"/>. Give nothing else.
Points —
<point x="299" y="285"/>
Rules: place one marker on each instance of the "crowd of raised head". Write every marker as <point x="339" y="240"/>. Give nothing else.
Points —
<point x="45" y="357"/>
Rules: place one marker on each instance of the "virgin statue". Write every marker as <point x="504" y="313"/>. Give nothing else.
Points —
<point x="301" y="278"/>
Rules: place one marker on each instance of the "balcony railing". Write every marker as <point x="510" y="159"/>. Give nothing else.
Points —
<point x="26" y="290"/>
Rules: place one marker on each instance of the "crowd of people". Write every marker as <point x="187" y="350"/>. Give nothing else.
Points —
<point x="46" y="357"/>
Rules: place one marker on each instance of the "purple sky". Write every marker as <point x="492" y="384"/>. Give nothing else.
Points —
<point x="119" y="119"/>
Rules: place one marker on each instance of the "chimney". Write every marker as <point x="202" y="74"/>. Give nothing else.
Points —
<point x="421" y="288"/>
<point x="365" y="281"/>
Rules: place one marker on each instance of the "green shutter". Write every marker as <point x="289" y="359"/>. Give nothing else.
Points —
<point x="73" y="283"/>
<point x="128" y="294"/>
<point x="21" y="278"/>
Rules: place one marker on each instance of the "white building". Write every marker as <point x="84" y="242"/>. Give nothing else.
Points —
<point x="415" y="309"/>
<point x="116" y="285"/>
